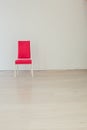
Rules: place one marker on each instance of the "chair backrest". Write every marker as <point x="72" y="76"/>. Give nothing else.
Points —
<point x="24" y="49"/>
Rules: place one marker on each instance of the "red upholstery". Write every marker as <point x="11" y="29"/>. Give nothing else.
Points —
<point x="24" y="49"/>
<point x="24" y="54"/>
<point x="23" y="61"/>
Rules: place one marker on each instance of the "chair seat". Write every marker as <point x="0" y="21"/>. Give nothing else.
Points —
<point x="23" y="61"/>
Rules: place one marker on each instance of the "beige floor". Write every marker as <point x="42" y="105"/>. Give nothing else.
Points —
<point x="49" y="101"/>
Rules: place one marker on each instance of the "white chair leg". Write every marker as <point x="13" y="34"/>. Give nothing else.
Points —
<point x="15" y="72"/>
<point x="32" y="73"/>
<point x="16" y="69"/>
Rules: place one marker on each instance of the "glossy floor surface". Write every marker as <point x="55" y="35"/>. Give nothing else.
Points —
<point x="52" y="100"/>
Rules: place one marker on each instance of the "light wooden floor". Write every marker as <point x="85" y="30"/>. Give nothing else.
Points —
<point x="49" y="101"/>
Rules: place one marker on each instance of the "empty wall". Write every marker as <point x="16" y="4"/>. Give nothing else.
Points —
<point x="56" y="28"/>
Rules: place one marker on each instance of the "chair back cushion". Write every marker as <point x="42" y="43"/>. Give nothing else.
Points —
<point x="24" y="49"/>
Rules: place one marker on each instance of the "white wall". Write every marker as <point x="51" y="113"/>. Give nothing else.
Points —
<point x="56" y="28"/>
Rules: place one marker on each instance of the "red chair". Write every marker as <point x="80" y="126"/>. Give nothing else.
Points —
<point x="24" y="55"/>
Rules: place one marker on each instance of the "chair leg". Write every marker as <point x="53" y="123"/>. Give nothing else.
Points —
<point x="32" y="73"/>
<point x="16" y="69"/>
<point x="15" y="72"/>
